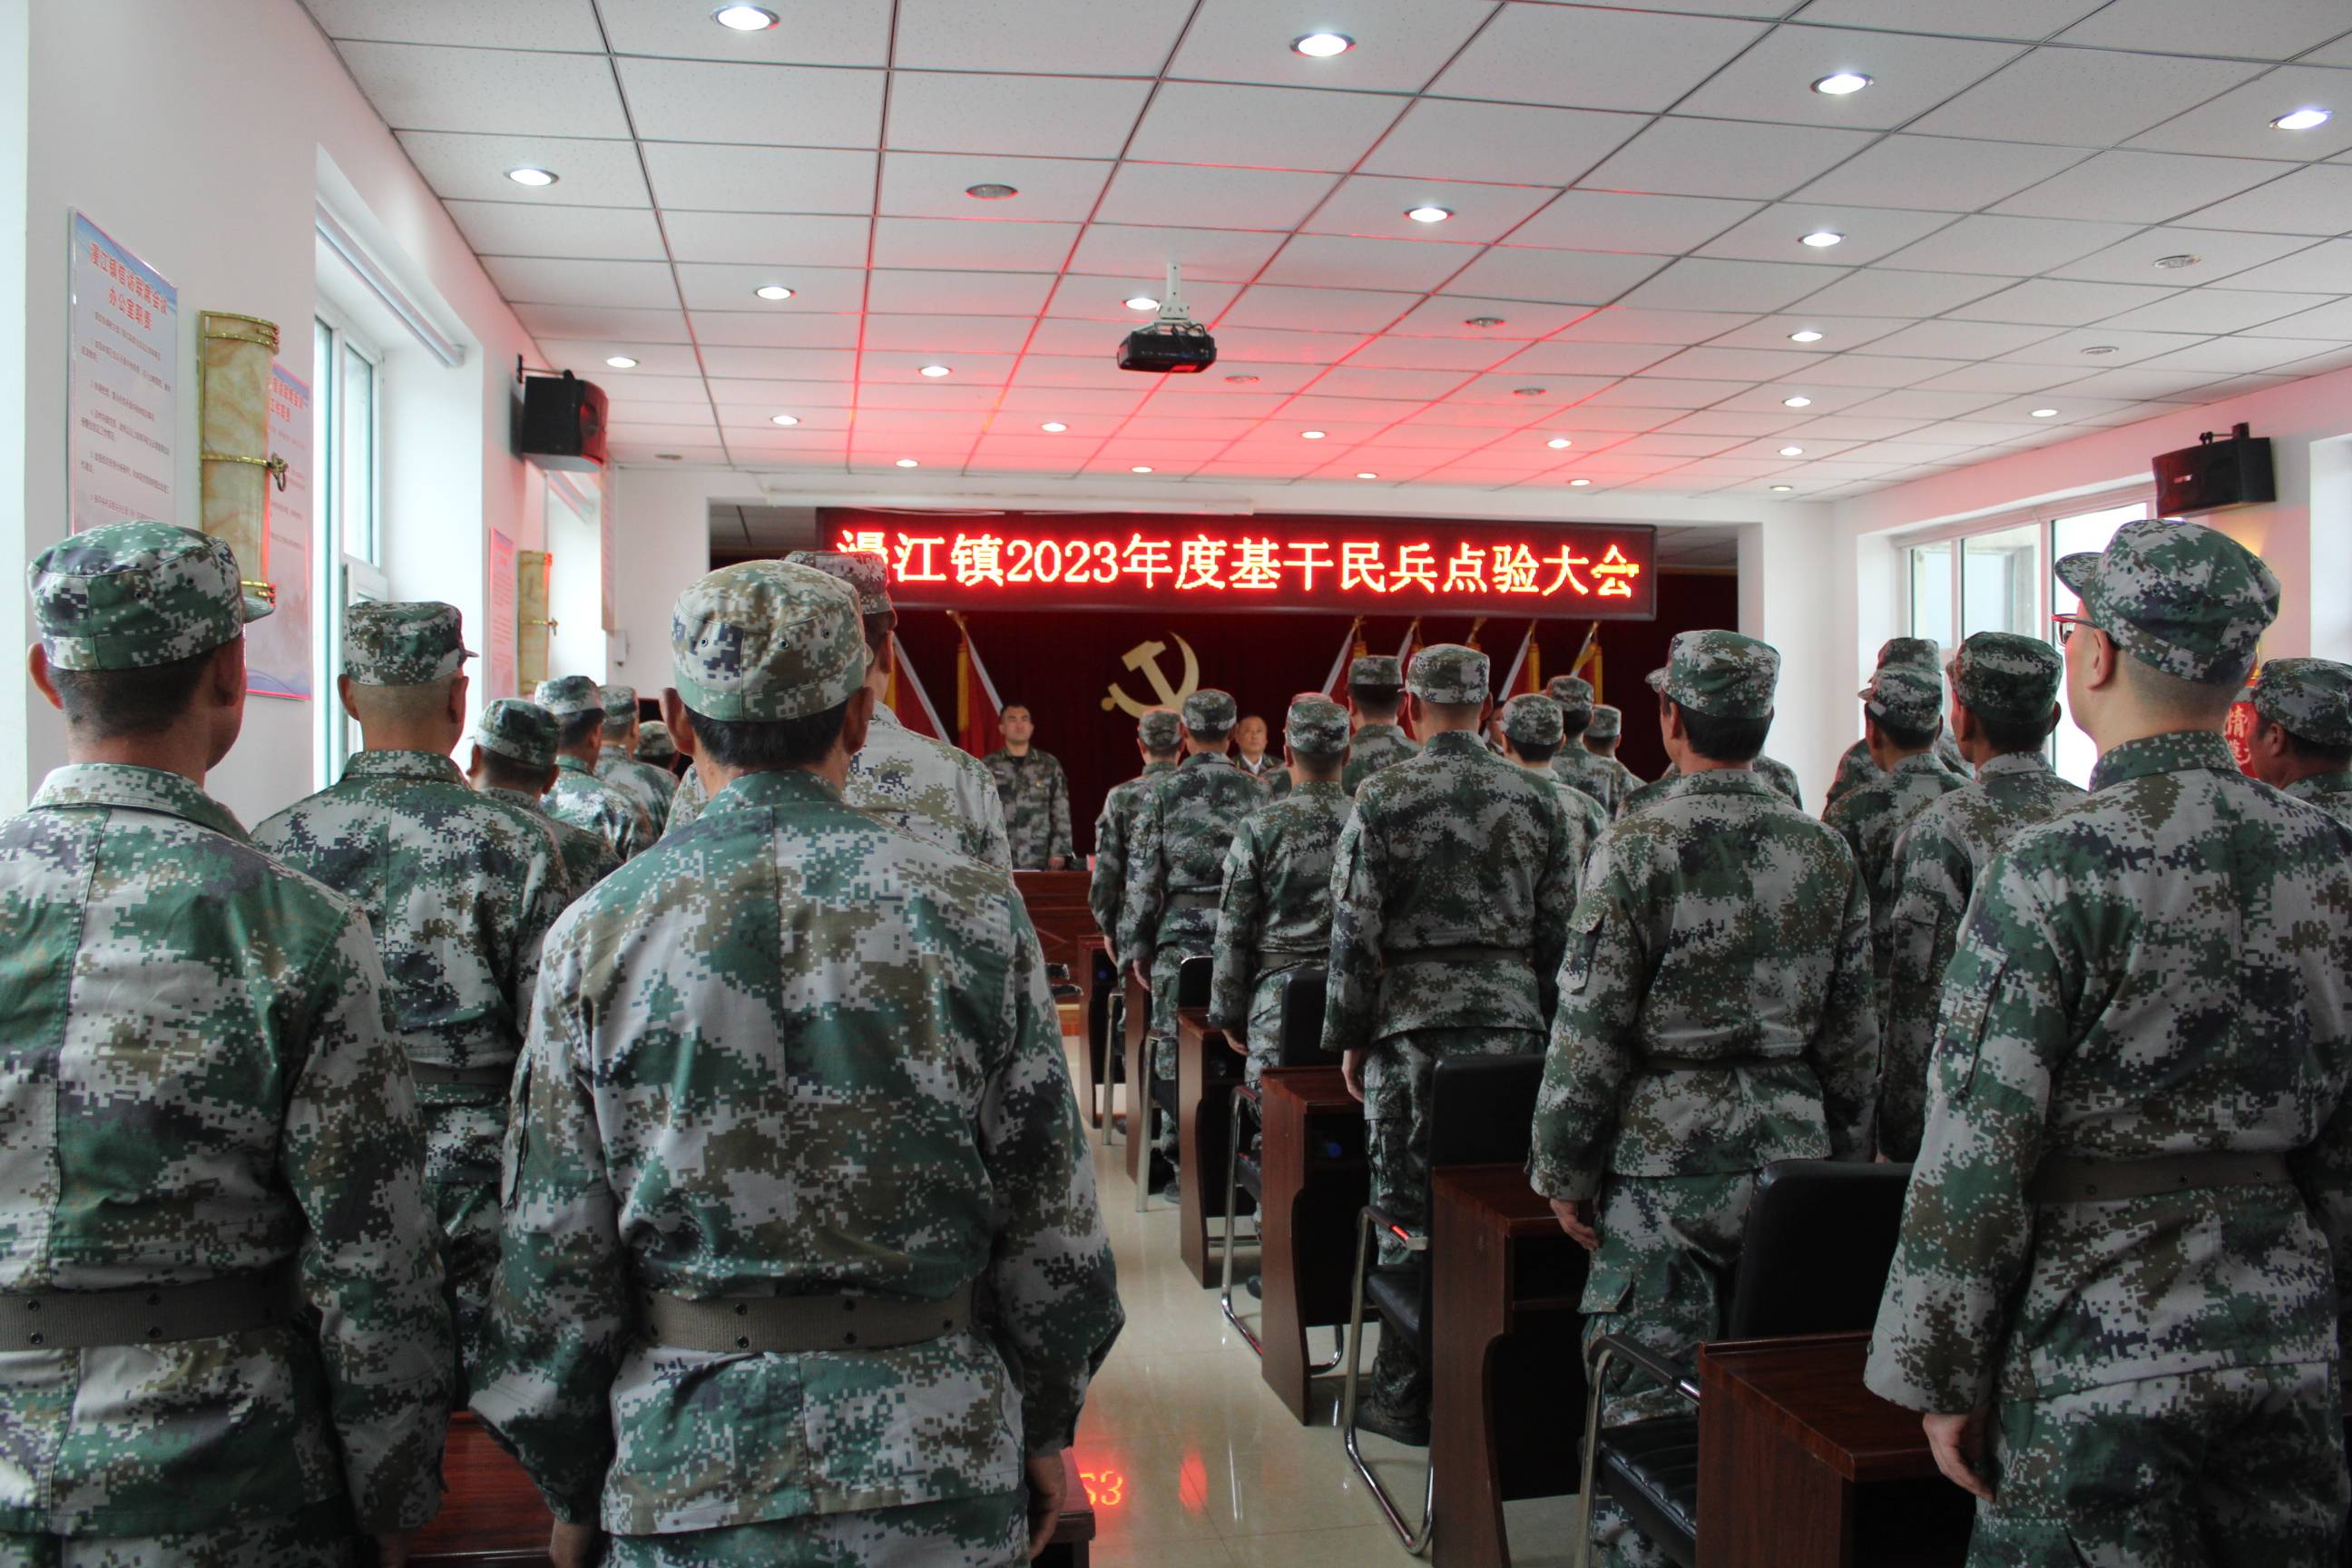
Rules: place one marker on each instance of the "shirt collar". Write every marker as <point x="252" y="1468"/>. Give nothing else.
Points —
<point x="1462" y="741"/>
<point x="571" y="764"/>
<point x="1725" y="780"/>
<point x="1331" y="787"/>
<point x="512" y="797"/>
<point x="760" y="792"/>
<point x="136" y="789"/>
<point x="1207" y="759"/>
<point x="1152" y="768"/>
<point x="2014" y="763"/>
<point x="883" y="716"/>
<point x="2179" y="751"/>
<point x="2320" y="786"/>
<point x="402" y="765"/>
<point x="1917" y="762"/>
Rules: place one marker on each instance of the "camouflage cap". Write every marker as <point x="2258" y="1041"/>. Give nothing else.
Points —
<point x="1316" y="727"/>
<point x="1159" y="729"/>
<point x="403" y="644"/>
<point x="2178" y="596"/>
<point x="1919" y="653"/>
<point x="1377" y="670"/>
<point x="1607" y="724"/>
<point x="620" y="701"/>
<point x="1571" y="693"/>
<point x="1449" y="674"/>
<point x="865" y="571"/>
<point x="1721" y="674"/>
<point x="654" y="743"/>
<point x="569" y="696"/>
<point x="524" y="732"/>
<point x="1532" y="719"/>
<point x="2310" y="698"/>
<point x="132" y="596"/>
<point x="1209" y="711"/>
<point x="2004" y="676"/>
<point x="766" y="640"/>
<point x="1904" y="696"/>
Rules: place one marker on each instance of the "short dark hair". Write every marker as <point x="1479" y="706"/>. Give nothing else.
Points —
<point x="1904" y="737"/>
<point x="503" y="771"/>
<point x="1534" y="751"/>
<point x="765" y="745"/>
<point x="1009" y="707"/>
<point x="108" y="704"/>
<point x="2006" y="735"/>
<point x="579" y="727"/>
<point x="1382" y="700"/>
<point x="1571" y="726"/>
<point x="2310" y="751"/>
<point x="1725" y="740"/>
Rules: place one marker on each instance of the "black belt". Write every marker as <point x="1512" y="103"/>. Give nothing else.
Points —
<point x="1470" y="954"/>
<point x="483" y="1078"/>
<point x="802" y="1325"/>
<point x="1274" y="954"/>
<point x="2077" y="1181"/>
<point x="147" y="1314"/>
<point x="1657" y="1063"/>
<point x="1192" y="897"/>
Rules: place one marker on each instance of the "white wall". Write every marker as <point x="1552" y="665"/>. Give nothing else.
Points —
<point x="199" y="134"/>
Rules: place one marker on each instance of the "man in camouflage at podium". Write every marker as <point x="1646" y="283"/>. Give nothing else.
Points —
<point x="1035" y="793"/>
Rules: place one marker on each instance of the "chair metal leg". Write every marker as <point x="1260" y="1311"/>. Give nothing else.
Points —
<point x="1589" y="1467"/>
<point x="1233" y="1189"/>
<point x="1416" y="1541"/>
<point x="1142" y="1110"/>
<point x="1114" y="1066"/>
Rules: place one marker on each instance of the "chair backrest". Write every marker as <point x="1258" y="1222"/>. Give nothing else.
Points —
<point x="1819" y="1243"/>
<point x="1192" y="978"/>
<point x="1482" y="1109"/>
<point x="1301" y="1043"/>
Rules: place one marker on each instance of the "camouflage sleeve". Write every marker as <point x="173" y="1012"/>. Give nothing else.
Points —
<point x="560" y="1314"/>
<point x="1352" y="987"/>
<point x="1968" y="1222"/>
<point x="353" y="1159"/>
<point x="1053" y="1281"/>
<point x="1107" y="886"/>
<point x="1139" y="904"/>
<point x="546" y="894"/>
<point x="1554" y="901"/>
<point x="1929" y="872"/>
<point x="1064" y="843"/>
<point x="1592" y="1052"/>
<point x="2323" y="1171"/>
<point x="1240" y="909"/>
<point x="987" y="809"/>
<point x="1844" y="1053"/>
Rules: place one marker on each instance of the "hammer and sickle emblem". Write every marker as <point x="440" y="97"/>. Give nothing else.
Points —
<point x="1145" y="657"/>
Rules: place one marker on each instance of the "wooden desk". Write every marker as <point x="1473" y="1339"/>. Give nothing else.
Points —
<point x="491" y="1516"/>
<point x="1509" y="1366"/>
<point x="1100" y="984"/>
<point x="1207" y="1071"/>
<point x="1800" y="1466"/>
<point x="1065" y="923"/>
<point x="1315" y="1181"/>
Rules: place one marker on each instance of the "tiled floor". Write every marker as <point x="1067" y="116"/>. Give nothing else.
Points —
<point x="1194" y="1460"/>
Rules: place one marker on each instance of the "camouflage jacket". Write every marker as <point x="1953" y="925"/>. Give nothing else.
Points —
<point x="1580" y="769"/>
<point x="1274" y="909"/>
<point x="1781" y="777"/>
<point x="608" y="811"/>
<point x="459" y="890"/>
<point x="687" y="804"/>
<point x="649" y="787"/>
<point x="1587" y="820"/>
<point x="1779" y="774"/>
<point x="1107" y="885"/>
<point x="1628" y="781"/>
<point x="1855" y="769"/>
<point x="791" y="1053"/>
<point x="587" y="860"/>
<point x="1373" y="748"/>
<point x="1456" y="849"/>
<point x="2332" y="793"/>
<point x="1270" y="768"/>
<point x="933" y="791"/>
<point x="1870" y="817"/>
<point x="2162" y="970"/>
<point x="199" y="1086"/>
<point x="1035" y="795"/>
<point x="1716" y="1005"/>
<point x="1938" y="859"/>
<point x="1176" y="858"/>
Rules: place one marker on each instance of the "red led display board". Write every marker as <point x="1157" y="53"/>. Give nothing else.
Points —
<point x="1346" y="565"/>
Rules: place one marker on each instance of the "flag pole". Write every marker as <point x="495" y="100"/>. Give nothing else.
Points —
<point x="1340" y="665"/>
<point x="1518" y="660"/>
<point x="903" y="667"/>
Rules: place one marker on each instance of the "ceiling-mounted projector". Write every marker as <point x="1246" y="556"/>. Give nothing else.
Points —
<point x="1174" y="345"/>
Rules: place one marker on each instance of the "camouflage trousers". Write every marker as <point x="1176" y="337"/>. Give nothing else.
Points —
<point x="315" y="1538"/>
<point x="1265" y="1022"/>
<point x="1397" y="1073"/>
<point x="990" y="1531"/>
<point x="464" y="1127"/>
<point x="1165" y="962"/>
<point x="2239" y="1467"/>
<point x="1662" y="1277"/>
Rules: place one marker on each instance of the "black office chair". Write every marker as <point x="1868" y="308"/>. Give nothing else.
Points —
<point x="1101" y="1010"/>
<point x="1299" y="1045"/>
<point x="1192" y="978"/>
<point x="1481" y="1112"/>
<point x="1813" y="1261"/>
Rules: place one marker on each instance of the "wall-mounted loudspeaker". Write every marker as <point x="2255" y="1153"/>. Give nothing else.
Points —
<point x="562" y="423"/>
<point x="2214" y="475"/>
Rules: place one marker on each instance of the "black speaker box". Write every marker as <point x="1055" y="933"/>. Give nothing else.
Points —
<point x="2214" y="475"/>
<point x="564" y="423"/>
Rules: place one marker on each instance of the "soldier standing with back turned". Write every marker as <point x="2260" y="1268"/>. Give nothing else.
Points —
<point x="1902" y="709"/>
<point x="513" y="759"/>
<point x="578" y="797"/>
<point x="1532" y="735"/>
<point x="1570" y="762"/>
<point x="2302" y="741"/>
<point x="220" y="1298"/>
<point x="2128" y="1236"/>
<point x="1160" y="738"/>
<point x="1376" y="693"/>
<point x="617" y="763"/>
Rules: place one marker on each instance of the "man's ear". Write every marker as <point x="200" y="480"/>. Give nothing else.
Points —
<point x="856" y="722"/>
<point x="681" y="728"/>
<point x="344" y="696"/>
<point x="228" y="673"/>
<point x="36" y="665"/>
<point x="457" y="688"/>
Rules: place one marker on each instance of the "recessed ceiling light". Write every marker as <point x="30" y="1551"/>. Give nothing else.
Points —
<point x="1368" y="474"/>
<point x="1242" y="380"/>
<point x="621" y="362"/>
<point x="783" y="418"/>
<point x="1312" y="434"/>
<point x="1053" y="427"/>
<point x="533" y="177"/>
<point x="1806" y="336"/>
<point x="1429" y="214"/>
<point x="2100" y="349"/>
<point x="2045" y="413"/>
<point x="745" y="19"/>
<point x="1792" y="451"/>
<point x="1141" y="302"/>
<point x="2174" y="263"/>
<point x="991" y="191"/>
<point x="1800" y="401"/>
<point x="772" y="292"/>
<point x="1482" y="321"/>
<point x="1578" y="484"/>
<point x="1559" y="442"/>
<point x="1322" y="46"/>
<point x="1823" y="239"/>
<point x="1141" y="469"/>
<point x="2302" y="120"/>
<point x="908" y="463"/>
<point x="1837" y="84"/>
<point x="1783" y="488"/>
<point x="935" y="371"/>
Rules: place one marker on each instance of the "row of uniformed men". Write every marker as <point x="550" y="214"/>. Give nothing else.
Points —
<point x="2121" y="1257"/>
<point x="792" y="1169"/>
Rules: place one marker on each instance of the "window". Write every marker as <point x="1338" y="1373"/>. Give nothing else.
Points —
<point x="347" y="427"/>
<point x="2074" y="755"/>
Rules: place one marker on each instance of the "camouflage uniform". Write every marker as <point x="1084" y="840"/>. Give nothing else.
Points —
<point x="1375" y="746"/>
<point x="1572" y="765"/>
<point x="578" y="797"/>
<point x="1608" y="725"/>
<point x="199" y="1090"/>
<point x="656" y="745"/>
<point x="2157" y="975"/>
<point x="459" y="891"/>
<point x="524" y="732"/>
<point x="1532" y="719"/>
<point x="1872" y="815"/>
<point x="649" y="785"/>
<point x="1035" y="797"/>
<point x="2311" y="698"/>
<point x="1779" y="774"/>
<point x="1716" y="1014"/>
<point x="1269" y="773"/>
<point x="1158" y="730"/>
<point x="687" y="804"/>
<point x="1855" y="767"/>
<point x="1274" y="909"/>
<point x="1450" y="898"/>
<point x="1940" y="856"/>
<point x="790" y="1053"/>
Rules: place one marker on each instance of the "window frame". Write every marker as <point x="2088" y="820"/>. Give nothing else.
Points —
<point x="342" y="577"/>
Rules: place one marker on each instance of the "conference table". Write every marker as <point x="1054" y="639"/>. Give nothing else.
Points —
<point x="1208" y="1069"/>
<point x="1314" y="1180"/>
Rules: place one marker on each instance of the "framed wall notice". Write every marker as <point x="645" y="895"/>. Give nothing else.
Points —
<point x="277" y="649"/>
<point x="121" y="383"/>
<point x="499" y="652"/>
